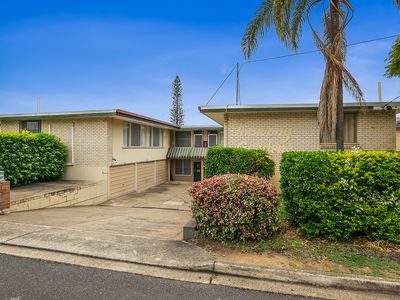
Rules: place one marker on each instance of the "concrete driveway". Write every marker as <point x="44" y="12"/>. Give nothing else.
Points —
<point x="159" y="212"/>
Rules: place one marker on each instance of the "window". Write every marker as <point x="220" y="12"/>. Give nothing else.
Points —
<point x="350" y="128"/>
<point x="183" y="139"/>
<point x="137" y="135"/>
<point x="183" y="167"/>
<point x="198" y="138"/>
<point x="32" y="126"/>
<point x="157" y="137"/>
<point x="126" y="134"/>
<point x="212" y="140"/>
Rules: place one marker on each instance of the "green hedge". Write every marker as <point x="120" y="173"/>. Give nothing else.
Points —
<point x="223" y="160"/>
<point x="26" y="157"/>
<point x="339" y="195"/>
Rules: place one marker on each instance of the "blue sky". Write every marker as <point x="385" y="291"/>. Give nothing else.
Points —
<point x="79" y="55"/>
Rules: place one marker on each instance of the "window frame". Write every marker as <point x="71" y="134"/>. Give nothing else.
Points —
<point x="190" y="138"/>
<point x="216" y="139"/>
<point x="202" y="140"/>
<point x="24" y="125"/>
<point x="143" y="135"/>
<point x="183" y="167"/>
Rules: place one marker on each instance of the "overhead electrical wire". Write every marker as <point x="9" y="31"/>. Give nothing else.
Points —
<point x="291" y="55"/>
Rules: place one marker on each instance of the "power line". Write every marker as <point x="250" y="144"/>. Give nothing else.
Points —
<point x="391" y="101"/>
<point x="222" y="83"/>
<point x="317" y="50"/>
<point x="291" y="55"/>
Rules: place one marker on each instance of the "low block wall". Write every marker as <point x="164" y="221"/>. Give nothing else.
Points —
<point x="83" y="195"/>
<point x="4" y="195"/>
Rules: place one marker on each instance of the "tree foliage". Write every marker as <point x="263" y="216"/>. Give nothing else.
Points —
<point x="393" y="66"/>
<point x="288" y="17"/>
<point x="177" y="115"/>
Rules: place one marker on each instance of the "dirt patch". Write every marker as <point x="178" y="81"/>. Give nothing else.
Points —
<point x="291" y="250"/>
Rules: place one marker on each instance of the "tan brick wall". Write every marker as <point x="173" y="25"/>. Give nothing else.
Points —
<point x="376" y="130"/>
<point x="4" y="195"/>
<point x="398" y="139"/>
<point x="279" y="132"/>
<point x="9" y="126"/>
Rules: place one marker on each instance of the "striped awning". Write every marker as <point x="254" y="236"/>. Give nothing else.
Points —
<point x="186" y="152"/>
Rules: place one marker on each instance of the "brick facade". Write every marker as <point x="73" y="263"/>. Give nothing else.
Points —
<point x="4" y="195"/>
<point x="279" y="132"/>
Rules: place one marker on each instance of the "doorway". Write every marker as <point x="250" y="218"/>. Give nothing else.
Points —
<point x="197" y="171"/>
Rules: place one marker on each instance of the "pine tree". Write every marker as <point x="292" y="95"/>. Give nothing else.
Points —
<point x="176" y="112"/>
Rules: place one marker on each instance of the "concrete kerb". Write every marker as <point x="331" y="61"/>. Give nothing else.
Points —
<point x="306" y="278"/>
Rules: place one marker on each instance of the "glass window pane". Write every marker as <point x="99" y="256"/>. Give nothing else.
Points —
<point x="178" y="167"/>
<point x="156" y="137"/>
<point x="32" y="126"/>
<point x="212" y="140"/>
<point x="126" y="134"/>
<point x="135" y="135"/>
<point x="161" y="138"/>
<point x="198" y="140"/>
<point x="183" y="139"/>
<point x="187" y="164"/>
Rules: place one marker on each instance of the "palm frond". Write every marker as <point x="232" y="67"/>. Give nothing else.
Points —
<point x="298" y="19"/>
<point x="255" y="29"/>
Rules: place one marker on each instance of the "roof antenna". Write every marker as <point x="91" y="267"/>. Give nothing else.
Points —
<point x="238" y="100"/>
<point x="380" y="92"/>
<point x="38" y="104"/>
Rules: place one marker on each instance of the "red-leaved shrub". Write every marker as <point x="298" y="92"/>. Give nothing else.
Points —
<point x="235" y="207"/>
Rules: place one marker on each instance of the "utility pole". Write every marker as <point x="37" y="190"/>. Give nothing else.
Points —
<point x="238" y="100"/>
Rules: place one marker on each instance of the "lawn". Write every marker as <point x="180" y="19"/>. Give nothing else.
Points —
<point x="291" y="250"/>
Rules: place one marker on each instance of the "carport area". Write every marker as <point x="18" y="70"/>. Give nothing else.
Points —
<point x="159" y="212"/>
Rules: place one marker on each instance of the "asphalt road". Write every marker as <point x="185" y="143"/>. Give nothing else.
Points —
<point x="24" y="278"/>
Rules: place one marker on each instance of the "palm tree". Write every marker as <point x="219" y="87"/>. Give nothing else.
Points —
<point x="288" y="17"/>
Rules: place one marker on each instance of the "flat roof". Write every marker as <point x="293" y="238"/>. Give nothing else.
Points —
<point x="215" y="112"/>
<point x="86" y="114"/>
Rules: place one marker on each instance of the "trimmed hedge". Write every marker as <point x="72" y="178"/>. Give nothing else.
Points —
<point x="235" y="207"/>
<point x="26" y="157"/>
<point x="339" y="195"/>
<point x="223" y="160"/>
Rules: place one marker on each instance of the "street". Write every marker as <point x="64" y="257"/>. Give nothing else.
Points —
<point x="25" y="278"/>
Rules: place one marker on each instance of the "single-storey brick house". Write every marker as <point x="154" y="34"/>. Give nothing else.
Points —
<point x="294" y="127"/>
<point x="120" y="150"/>
<point x="125" y="152"/>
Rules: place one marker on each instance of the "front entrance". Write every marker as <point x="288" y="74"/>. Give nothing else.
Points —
<point x="197" y="171"/>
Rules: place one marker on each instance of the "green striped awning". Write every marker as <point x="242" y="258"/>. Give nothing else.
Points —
<point x="186" y="152"/>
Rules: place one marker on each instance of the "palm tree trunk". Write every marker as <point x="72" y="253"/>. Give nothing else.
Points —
<point x="339" y="102"/>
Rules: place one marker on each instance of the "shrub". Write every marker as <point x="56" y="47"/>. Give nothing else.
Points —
<point x="26" y="157"/>
<point x="343" y="194"/>
<point x="235" y="207"/>
<point x="222" y="160"/>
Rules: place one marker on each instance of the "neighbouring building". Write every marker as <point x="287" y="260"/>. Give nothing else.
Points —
<point x="294" y="127"/>
<point x="188" y="149"/>
<point x="122" y="151"/>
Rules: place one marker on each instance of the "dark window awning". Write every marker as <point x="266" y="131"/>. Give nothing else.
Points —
<point x="186" y="152"/>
